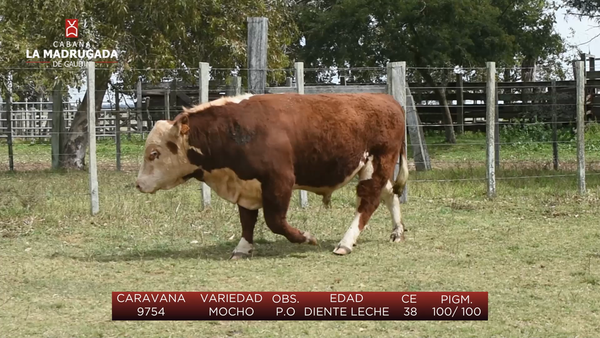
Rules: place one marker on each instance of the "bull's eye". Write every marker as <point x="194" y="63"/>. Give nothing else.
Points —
<point x="154" y="155"/>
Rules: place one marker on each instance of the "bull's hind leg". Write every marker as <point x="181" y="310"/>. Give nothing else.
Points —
<point x="276" y="195"/>
<point x="245" y="246"/>
<point x="372" y="179"/>
<point x="392" y="201"/>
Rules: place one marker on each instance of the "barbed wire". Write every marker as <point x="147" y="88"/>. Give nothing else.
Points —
<point x="524" y="142"/>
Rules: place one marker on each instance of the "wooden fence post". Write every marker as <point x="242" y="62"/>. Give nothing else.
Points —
<point x="396" y="86"/>
<point x="168" y="104"/>
<point x="118" y="128"/>
<point x="128" y="122"/>
<point x="91" y="110"/>
<point x="257" y="54"/>
<point x="235" y="88"/>
<point x="203" y="83"/>
<point x="554" y="125"/>
<point x="460" y="103"/>
<point x="58" y="127"/>
<point x="9" y="140"/>
<point x="138" y="108"/>
<point x="415" y="131"/>
<point x="2" y="110"/>
<point x="237" y="85"/>
<point x="496" y="128"/>
<point x="580" y="90"/>
<point x="490" y="121"/>
<point x="299" y="70"/>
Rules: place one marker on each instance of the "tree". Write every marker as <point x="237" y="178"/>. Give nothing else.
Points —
<point x="427" y="34"/>
<point x="587" y="8"/>
<point x="156" y="38"/>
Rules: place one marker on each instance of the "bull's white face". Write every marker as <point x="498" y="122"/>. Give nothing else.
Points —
<point x="165" y="160"/>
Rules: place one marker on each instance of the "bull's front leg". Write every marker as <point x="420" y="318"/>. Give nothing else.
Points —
<point x="276" y="195"/>
<point x="245" y="246"/>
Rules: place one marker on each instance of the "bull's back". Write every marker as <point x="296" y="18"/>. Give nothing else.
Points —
<point x="332" y="135"/>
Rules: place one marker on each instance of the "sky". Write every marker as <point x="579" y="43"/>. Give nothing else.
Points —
<point x="584" y="29"/>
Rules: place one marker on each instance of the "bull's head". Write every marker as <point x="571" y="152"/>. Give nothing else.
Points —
<point x="165" y="164"/>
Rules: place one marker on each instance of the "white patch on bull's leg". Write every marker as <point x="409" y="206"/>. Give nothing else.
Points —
<point x="366" y="173"/>
<point x="310" y="239"/>
<point x="243" y="249"/>
<point x="349" y="239"/>
<point x="392" y="202"/>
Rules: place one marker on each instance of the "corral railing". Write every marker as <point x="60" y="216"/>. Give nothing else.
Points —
<point x="546" y="104"/>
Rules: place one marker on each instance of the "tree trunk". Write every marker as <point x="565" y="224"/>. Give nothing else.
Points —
<point x="528" y="69"/>
<point x="528" y="75"/>
<point x="446" y="116"/>
<point x="75" y="143"/>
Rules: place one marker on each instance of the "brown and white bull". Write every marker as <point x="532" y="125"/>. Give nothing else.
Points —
<point x="255" y="150"/>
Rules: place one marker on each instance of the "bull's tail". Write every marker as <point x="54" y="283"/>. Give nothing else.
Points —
<point x="402" y="177"/>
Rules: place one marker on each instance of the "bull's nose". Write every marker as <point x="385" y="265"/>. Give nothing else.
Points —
<point x="137" y="186"/>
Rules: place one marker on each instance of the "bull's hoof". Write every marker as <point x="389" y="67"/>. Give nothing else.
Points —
<point x="240" y="255"/>
<point x="342" y="250"/>
<point x="396" y="237"/>
<point x="310" y="239"/>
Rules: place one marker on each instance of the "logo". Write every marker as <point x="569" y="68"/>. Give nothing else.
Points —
<point x="72" y="52"/>
<point x="71" y="28"/>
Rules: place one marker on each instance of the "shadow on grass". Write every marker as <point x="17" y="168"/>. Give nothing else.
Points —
<point x="219" y="252"/>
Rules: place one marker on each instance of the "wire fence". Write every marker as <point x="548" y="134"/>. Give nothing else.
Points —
<point x="537" y="124"/>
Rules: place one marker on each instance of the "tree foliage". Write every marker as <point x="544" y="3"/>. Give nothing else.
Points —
<point x="155" y="38"/>
<point x="353" y="33"/>
<point x="426" y="34"/>
<point x="587" y="8"/>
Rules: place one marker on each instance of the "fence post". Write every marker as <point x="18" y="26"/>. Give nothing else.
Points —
<point x="168" y="104"/>
<point x="128" y="122"/>
<point x="27" y="123"/>
<point x="299" y="70"/>
<point x="237" y="85"/>
<point x="2" y="110"/>
<point x="118" y="128"/>
<point x="396" y="86"/>
<point x="203" y="83"/>
<point x="580" y="90"/>
<point x="496" y="127"/>
<point x="257" y="54"/>
<point x="554" y="125"/>
<point x="415" y="131"/>
<point x="57" y="125"/>
<point x="460" y="103"/>
<point x="9" y="141"/>
<point x="138" y="108"/>
<point x="91" y="110"/>
<point x="490" y="121"/>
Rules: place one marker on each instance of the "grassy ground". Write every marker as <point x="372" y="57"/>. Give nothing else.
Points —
<point x="534" y="249"/>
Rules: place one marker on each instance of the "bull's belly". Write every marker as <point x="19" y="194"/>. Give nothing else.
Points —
<point x="248" y="193"/>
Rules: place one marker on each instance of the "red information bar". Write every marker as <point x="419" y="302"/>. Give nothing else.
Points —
<point x="300" y="305"/>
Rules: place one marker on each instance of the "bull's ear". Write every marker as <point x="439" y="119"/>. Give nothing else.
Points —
<point x="181" y="125"/>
